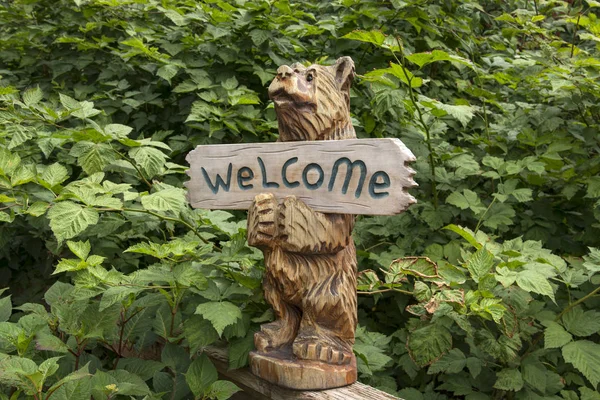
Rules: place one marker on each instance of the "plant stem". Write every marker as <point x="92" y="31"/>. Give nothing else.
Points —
<point x="484" y="214"/>
<point x="575" y="33"/>
<point x="386" y="290"/>
<point x="139" y="171"/>
<point x="163" y="217"/>
<point x="423" y="124"/>
<point x="581" y="300"/>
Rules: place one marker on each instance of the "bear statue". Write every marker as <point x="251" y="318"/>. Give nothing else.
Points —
<point x="310" y="258"/>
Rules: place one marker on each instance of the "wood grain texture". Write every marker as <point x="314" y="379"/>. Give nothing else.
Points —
<point x="318" y="173"/>
<point x="257" y="388"/>
<point x="297" y="374"/>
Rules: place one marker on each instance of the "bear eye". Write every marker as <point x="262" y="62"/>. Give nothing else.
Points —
<point x="309" y="77"/>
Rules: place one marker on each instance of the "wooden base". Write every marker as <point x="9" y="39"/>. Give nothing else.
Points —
<point x="283" y="369"/>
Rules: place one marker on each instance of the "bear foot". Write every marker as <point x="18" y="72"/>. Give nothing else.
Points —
<point x="319" y="350"/>
<point x="272" y="336"/>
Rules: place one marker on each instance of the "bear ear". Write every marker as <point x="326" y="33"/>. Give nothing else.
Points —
<point x="344" y="73"/>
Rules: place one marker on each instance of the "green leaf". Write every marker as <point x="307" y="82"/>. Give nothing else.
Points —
<point x="166" y="200"/>
<point x="239" y="350"/>
<point x="466" y="234"/>
<point x="422" y="59"/>
<point x="68" y="219"/>
<point x="55" y="174"/>
<point x="167" y="72"/>
<point x="93" y="157"/>
<point x="555" y="336"/>
<point x="222" y="390"/>
<point x="509" y="379"/>
<point x="150" y="160"/>
<point x="9" y="162"/>
<point x="581" y="323"/>
<point x="74" y="390"/>
<point x="199" y="333"/>
<point x="117" y="131"/>
<point x="427" y="344"/>
<point x="201" y="375"/>
<point x="32" y="96"/>
<point x="452" y="363"/>
<point x="371" y="359"/>
<point x="536" y="282"/>
<point x="585" y="357"/>
<point x="121" y="381"/>
<point x="49" y="342"/>
<point x="81" y="374"/>
<point x="466" y="200"/>
<point x="480" y="264"/>
<point x="80" y="249"/>
<point x="220" y="314"/>
<point x="375" y="37"/>
<point x="5" y="308"/>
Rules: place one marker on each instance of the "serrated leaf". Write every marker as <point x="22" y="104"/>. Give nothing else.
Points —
<point x="222" y="390"/>
<point x="555" y="336"/>
<point x="199" y="333"/>
<point x="428" y="343"/>
<point x="55" y="174"/>
<point x="18" y="135"/>
<point x="150" y="160"/>
<point x="585" y="357"/>
<point x="166" y="200"/>
<point x="68" y="219"/>
<point x="581" y="323"/>
<point x="480" y="264"/>
<point x="117" y="131"/>
<point x="201" y="375"/>
<point x="49" y="342"/>
<point x="375" y="37"/>
<point x="5" y="308"/>
<point x="534" y="281"/>
<point x="239" y="350"/>
<point x="452" y="363"/>
<point x="466" y="234"/>
<point x="220" y="314"/>
<point x="32" y="96"/>
<point x="80" y="249"/>
<point x="167" y="72"/>
<point x="509" y="379"/>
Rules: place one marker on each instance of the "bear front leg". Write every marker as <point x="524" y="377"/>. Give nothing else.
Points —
<point x="300" y="229"/>
<point x="283" y="330"/>
<point x="261" y="221"/>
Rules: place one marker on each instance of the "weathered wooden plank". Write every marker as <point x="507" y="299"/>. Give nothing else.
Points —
<point x="354" y="176"/>
<point x="255" y="387"/>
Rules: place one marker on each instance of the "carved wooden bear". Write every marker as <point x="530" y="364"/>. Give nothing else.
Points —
<point x="310" y="258"/>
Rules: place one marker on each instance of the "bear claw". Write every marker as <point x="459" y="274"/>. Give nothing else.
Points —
<point x="316" y="351"/>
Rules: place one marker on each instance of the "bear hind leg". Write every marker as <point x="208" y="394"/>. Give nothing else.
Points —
<point x="328" y="322"/>
<point x="283" y="330"/>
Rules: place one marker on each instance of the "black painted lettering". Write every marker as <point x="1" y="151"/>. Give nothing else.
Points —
<point x="374" y="185"/>
<point x="245" y="174"/>
<point x="218" y="180"/>
<point x="319" y="182"/>
<point x="263" y="171"/>
<point x="286" y="164"/>
<point x="349" y="169"/>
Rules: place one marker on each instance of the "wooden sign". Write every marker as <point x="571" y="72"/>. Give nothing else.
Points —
<point x="354" y="176"/>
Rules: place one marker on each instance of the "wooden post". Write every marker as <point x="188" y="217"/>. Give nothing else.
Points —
<point x="302" y="195"/>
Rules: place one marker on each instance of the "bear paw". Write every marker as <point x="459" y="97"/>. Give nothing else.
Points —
<point x="261" y="220"/>
<point x="316" y="350"/>
<point x="273" y="336"/>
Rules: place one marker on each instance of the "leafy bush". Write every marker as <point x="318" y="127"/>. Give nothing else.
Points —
<point x="118" y="285"/>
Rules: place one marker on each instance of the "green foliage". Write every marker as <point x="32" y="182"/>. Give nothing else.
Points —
<point x="117" y="285"/>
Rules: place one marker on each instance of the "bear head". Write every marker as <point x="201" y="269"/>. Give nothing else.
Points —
<point x="313" y="103"/>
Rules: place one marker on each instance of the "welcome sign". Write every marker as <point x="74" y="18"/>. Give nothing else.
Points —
<point x="356" y="176"/>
